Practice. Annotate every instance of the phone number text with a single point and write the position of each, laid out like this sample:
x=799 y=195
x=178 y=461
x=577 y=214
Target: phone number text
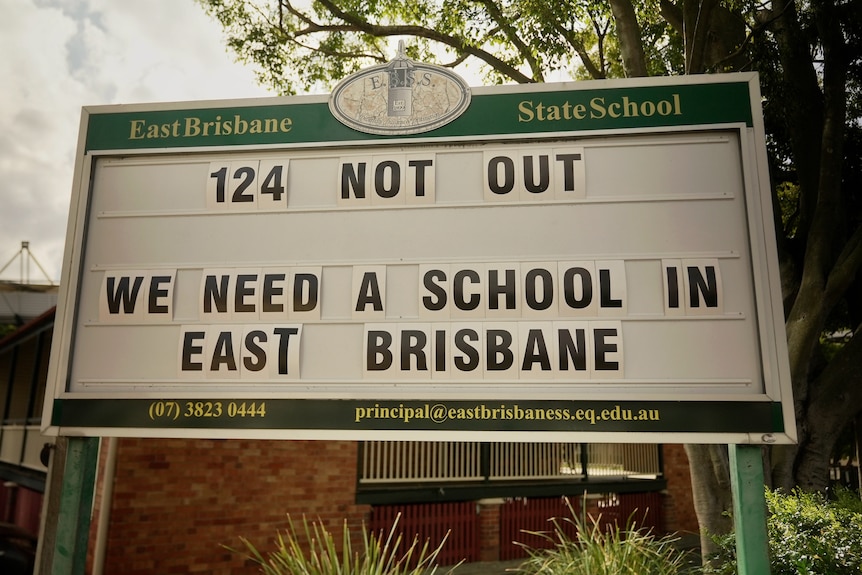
x=175 y=410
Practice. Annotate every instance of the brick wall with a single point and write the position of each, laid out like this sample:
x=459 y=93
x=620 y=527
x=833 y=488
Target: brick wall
x=679 y=505
x=176 y=502
x=489 y=530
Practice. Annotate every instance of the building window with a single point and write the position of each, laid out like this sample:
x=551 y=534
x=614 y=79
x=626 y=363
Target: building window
x=419 y=462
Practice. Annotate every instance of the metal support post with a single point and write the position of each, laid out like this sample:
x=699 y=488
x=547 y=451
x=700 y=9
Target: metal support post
x=749 y=509
x=75 y=508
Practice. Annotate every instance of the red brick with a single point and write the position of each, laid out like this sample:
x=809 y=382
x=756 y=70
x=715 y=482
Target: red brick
x=178 y=502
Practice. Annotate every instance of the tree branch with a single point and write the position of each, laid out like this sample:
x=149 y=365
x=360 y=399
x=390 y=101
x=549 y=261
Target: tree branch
x=697 y=16
x=513 y=37
x=845 y=269
x=629 y=34
x=573 y=41
x=672 y=14
x=812 y=307
x=804 y=104
x=358 y=25
x=835 y=399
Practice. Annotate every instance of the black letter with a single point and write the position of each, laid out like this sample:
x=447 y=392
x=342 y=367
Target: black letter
x=311 y=281
x=605 y=290
x=602 y=348
x=544 y=175
x=499 y=342
x=530 y=292
x=350 y=179
x=223 y=352
x=241 y=292
x=568 y=170
x=697 y=285
x=458 y=295
x=369 y=293
x=413 y=343
x=420 y=166
x=471 y=362
x=507 y=289
x=394 y=181
x=251 y=339
x=509 y=175
x=672 y=287
x=378 y=344
x=569 y=288
x=156 y=293
x=214 y=293
x=535 y=350
x=122 y=293
x=284 y=334
x=190 y=349
x=577 y=352
x=439 y=291
x=270 y=291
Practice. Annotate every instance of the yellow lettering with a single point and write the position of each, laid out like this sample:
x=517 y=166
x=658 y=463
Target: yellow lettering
x=135 y=132
x=193 y=127
x=526 y=112
x=598 y=108
x=240 y=126
x=579 y=111
x=664 y=108
x=286 y=125
x=648 y=108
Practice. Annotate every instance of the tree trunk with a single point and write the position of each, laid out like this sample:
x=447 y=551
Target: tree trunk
x=696 y=20
x=835 y=400
x=629 y=34
x=710 y=486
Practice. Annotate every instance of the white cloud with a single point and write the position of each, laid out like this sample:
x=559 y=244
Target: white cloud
x=60 y=55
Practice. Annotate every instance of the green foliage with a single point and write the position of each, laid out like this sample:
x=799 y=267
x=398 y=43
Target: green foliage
x=808 y=535
x=301 y=46
x=788 y=204
x=603 y=550
x=313 y=551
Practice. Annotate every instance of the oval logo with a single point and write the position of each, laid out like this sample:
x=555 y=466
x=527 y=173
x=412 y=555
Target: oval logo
x=399 y=98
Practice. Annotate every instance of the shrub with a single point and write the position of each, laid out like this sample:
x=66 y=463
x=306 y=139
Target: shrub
x=808 y=534
x=321 y=556
x=601 y=550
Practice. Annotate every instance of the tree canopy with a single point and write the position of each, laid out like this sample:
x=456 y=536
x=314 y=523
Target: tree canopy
x=809 y=57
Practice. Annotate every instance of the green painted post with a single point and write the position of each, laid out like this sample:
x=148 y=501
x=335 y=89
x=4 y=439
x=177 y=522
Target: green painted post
x=749 y=509
x=76 y=502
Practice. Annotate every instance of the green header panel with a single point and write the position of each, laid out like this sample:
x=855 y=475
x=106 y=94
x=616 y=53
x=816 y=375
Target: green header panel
x=509 y=113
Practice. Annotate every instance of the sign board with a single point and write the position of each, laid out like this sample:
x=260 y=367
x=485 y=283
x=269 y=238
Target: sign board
x=590 y=261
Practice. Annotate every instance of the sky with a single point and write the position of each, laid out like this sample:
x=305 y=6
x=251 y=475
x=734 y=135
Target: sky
x=61 y=55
